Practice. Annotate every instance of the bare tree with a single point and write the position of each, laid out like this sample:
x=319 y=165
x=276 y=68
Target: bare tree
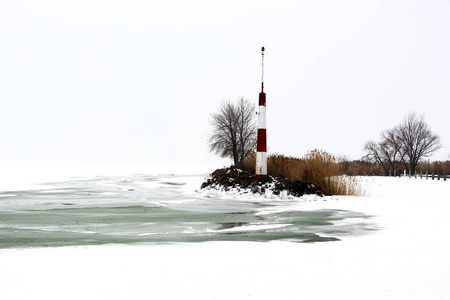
x=234 y=131
x=376 y=154
x=391 y=148
x=416 y=139
x=406 y=143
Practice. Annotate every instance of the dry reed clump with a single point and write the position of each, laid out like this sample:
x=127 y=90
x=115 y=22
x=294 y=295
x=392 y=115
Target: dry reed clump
x=317 y=167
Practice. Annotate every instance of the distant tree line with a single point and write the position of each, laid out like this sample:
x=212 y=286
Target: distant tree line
x=366 y=168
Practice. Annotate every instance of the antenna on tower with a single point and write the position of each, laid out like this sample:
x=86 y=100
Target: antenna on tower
x=262 y=69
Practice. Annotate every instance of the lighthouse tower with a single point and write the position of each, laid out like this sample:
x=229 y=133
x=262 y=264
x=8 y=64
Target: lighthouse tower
x=261 y=140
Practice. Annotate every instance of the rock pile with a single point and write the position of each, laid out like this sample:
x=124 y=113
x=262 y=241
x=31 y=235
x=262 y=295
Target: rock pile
x=233 y=177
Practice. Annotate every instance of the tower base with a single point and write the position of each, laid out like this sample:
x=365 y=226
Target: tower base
x=261 y=164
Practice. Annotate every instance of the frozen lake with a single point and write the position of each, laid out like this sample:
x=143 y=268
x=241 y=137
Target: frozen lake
x=160 y=209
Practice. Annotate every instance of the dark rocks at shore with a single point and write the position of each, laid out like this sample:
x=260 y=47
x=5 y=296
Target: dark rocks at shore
x=297 y=188
x=233 y=177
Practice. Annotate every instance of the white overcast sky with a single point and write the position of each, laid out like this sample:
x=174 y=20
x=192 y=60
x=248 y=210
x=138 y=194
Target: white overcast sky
x=135 y=80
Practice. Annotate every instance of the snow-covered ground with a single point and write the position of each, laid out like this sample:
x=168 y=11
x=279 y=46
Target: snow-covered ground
x=406 y=256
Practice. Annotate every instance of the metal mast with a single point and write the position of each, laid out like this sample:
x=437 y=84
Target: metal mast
x=261 y=140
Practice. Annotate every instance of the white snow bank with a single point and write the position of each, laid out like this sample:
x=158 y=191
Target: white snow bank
x=357 y=269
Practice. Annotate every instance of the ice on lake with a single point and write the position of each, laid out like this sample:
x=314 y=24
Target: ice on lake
x=162 y=209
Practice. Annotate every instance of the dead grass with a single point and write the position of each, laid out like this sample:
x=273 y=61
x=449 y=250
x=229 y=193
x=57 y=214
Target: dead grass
x=317 y=166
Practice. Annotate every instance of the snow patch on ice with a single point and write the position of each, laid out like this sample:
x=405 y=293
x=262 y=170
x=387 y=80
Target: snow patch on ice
x=252 y=227
x=7 y=195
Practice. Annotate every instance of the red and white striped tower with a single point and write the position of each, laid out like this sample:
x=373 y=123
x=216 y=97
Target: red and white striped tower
x=261 y=140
